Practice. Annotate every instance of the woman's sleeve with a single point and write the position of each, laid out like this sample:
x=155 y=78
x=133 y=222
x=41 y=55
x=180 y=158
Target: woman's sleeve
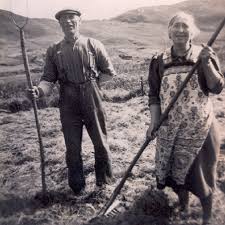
x=220 y=84
x=154 y=80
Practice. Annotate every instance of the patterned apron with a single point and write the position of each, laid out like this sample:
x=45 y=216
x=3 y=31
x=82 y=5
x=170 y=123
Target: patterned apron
x=180 y=138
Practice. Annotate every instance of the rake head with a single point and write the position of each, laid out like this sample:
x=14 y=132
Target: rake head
x=114 y=210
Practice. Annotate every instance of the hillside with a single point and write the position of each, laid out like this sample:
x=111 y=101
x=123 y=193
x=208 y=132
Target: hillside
x=34 y=29
x=206 y=12
x=138 y=33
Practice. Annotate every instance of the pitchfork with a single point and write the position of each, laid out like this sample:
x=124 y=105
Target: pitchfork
x=34 y=102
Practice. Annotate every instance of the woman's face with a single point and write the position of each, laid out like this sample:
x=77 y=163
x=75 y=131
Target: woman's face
x=180 y=32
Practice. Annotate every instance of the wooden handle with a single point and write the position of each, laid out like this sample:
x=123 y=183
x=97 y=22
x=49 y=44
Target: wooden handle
x=34 y=103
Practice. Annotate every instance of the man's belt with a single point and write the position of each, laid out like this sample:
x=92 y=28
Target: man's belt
x=77 y=85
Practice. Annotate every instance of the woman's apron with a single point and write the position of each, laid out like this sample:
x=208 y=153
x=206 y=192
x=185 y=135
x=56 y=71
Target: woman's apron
x=180 y=138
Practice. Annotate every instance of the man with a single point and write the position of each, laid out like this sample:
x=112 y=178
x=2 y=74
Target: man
x=76 y=63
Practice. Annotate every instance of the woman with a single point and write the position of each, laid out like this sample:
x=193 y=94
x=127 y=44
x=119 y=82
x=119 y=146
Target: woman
x=187 y=143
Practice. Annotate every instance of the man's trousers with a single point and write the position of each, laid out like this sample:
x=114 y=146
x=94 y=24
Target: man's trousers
x=81 y=104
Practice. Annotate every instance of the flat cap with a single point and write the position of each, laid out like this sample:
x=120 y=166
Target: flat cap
x=67 y=11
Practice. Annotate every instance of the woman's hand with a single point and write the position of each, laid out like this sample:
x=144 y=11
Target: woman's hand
x=149 y=130
x=205 y=54
x=214 y=78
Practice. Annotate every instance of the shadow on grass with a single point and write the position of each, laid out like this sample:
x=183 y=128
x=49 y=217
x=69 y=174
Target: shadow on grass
x=12 y=204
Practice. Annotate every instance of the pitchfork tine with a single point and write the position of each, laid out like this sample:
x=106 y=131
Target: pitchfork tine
x=16 y=24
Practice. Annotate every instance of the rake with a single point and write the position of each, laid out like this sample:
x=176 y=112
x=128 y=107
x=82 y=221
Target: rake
x=108 y=206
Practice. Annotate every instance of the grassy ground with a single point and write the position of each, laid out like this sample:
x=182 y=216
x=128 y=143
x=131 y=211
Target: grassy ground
x=128 y=119
x=127 y=122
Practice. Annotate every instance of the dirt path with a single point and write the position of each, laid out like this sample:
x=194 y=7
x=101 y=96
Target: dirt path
x=20 y=173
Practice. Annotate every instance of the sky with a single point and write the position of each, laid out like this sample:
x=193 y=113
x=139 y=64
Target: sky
x=91 y=9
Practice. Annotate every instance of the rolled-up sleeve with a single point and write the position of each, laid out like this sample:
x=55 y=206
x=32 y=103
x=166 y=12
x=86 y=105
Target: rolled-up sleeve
x=49 y=76
x=154 y=81
x=50 y=69
x=46 y=87
x=220 y=83
x=103 y=61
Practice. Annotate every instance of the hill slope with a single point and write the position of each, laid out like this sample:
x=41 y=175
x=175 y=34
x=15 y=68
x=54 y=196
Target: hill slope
x=137 y=33
x=35 y=27
x=206 y=12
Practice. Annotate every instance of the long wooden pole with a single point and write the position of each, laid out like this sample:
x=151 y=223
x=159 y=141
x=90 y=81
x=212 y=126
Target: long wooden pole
x=34 y=103
x=162 y=118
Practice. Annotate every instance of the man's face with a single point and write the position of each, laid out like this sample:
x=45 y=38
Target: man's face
x=180 y=32
x=70 y=24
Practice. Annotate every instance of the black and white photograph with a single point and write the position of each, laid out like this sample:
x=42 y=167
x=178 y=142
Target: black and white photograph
x=112 y=112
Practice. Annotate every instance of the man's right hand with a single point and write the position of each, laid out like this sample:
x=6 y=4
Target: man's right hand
x=33 y=93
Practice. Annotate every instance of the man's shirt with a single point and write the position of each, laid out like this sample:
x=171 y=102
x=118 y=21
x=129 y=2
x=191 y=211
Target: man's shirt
x=76 y=62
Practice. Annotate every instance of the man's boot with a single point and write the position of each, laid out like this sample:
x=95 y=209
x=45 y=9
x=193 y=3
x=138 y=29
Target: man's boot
x=76 y=181
x=103 y=174
x=183 y=196
x=207 y=209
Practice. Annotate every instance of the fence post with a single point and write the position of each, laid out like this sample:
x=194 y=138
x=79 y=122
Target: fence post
x=142 y=86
